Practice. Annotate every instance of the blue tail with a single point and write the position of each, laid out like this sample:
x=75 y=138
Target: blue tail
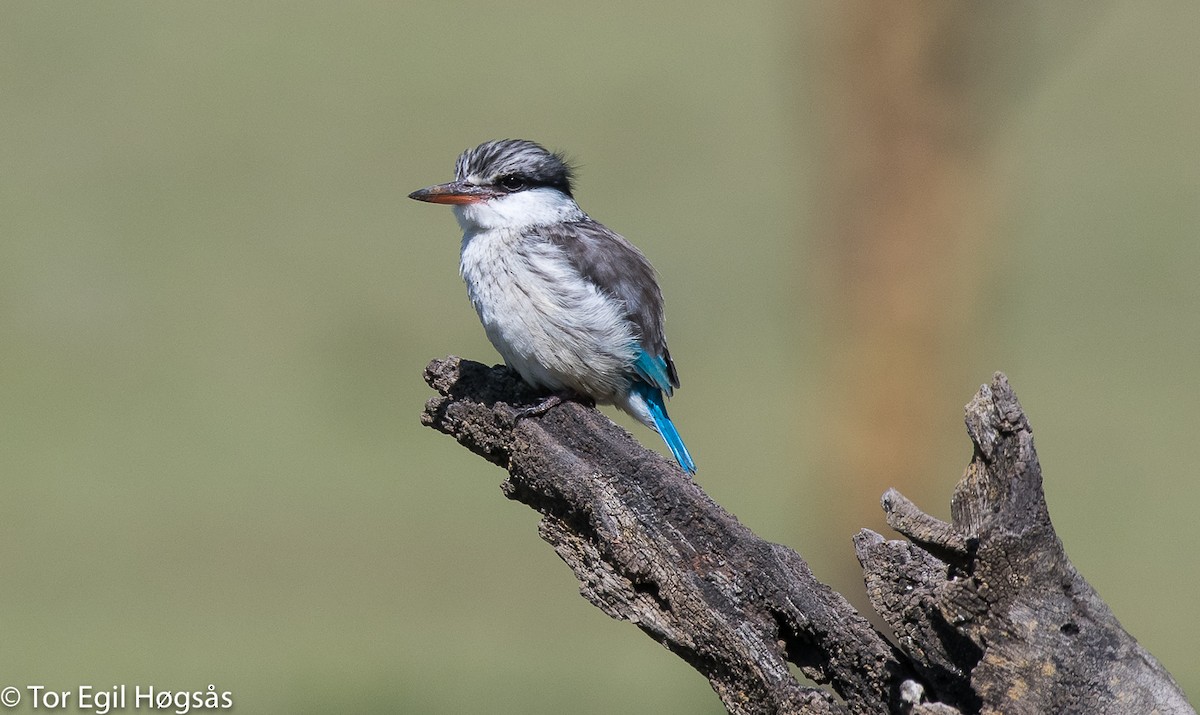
x=664 y=425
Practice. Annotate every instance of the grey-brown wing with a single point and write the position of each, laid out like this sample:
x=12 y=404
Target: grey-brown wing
x=618 y=268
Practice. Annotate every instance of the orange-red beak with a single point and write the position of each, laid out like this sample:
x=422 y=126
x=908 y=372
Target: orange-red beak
x=455 y=192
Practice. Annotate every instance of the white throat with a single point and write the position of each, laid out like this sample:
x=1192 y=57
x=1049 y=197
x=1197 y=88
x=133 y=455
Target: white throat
x=532 y=207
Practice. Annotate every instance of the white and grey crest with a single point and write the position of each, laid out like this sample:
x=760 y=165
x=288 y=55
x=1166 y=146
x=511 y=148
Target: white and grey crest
x=514 y=165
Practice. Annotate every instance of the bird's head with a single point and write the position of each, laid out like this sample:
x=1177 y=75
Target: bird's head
x=507 y=183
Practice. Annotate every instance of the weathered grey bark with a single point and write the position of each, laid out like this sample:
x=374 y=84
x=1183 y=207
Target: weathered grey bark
x=988 y=613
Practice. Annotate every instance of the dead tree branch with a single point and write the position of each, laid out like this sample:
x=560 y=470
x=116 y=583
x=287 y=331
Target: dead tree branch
x=987 y=612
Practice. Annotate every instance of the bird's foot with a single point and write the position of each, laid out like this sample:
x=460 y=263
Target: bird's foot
x=548 y=403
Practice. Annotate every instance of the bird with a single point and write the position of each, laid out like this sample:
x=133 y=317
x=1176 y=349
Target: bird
x=572 y=306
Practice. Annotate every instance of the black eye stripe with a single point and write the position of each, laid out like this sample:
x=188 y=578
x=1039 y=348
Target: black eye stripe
x=512 y=182
x=518 y=181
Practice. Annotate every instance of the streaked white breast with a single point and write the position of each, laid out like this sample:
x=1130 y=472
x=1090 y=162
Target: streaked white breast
x=550 y=325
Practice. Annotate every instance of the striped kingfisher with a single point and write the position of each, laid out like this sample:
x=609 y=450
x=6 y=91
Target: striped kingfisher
x=571 y=306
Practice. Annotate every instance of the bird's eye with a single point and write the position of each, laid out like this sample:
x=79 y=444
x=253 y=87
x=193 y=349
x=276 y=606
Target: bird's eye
x=511 y=182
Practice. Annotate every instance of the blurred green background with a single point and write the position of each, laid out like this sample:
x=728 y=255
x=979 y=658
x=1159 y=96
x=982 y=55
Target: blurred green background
x=216 y=303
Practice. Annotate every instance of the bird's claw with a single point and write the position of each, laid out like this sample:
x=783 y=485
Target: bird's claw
x=548 y=403
x=542 y=407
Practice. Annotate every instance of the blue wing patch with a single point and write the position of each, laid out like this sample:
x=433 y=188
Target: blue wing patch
x=653 y=370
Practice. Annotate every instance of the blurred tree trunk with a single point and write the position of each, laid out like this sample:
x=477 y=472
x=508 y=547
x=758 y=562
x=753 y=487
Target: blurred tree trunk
x=914 y=99
x=908 y=214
